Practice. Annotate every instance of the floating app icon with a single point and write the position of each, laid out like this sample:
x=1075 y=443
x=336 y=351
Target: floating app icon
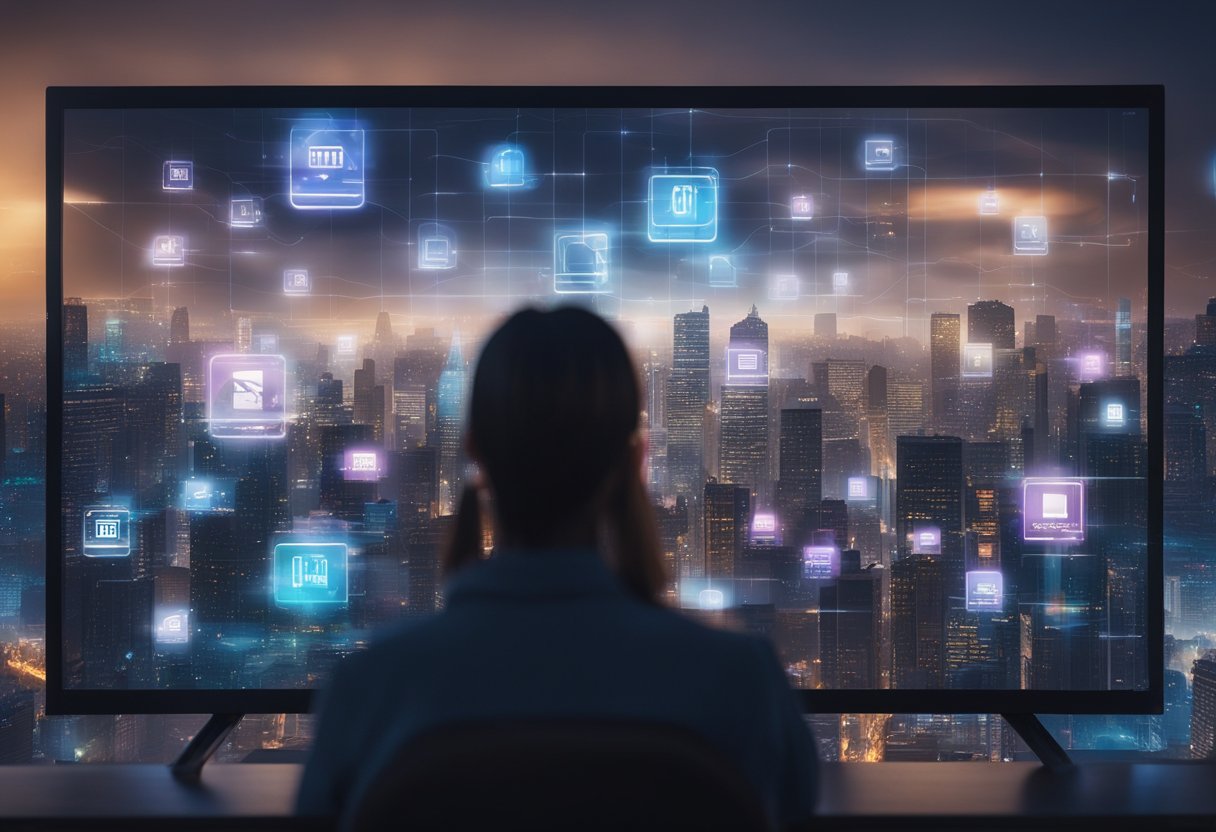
x=746 y=365
x=297 y=282
x=268 y=343
x=1091 y=366
x=977 y=361
x=245 y=211
x=361 y=464
x=580 y=263
x=507 y=167
x=178 y=176
x=711 y=599
x=246 y=396
x=1115 y=415
x=784 y=287
x=879 y=154
x=706 y=594
x=310 y=573
x=721 y=272
x=985 y=590
x=436 y=247
x=840 y=282
x=171 y=626
x=990 y=206
x=764 y=528
x=203 y=494
x=859 y=488
x=346 y=346
x=683 y=206
x=1053 y=510
x=169 y=250
x=802 y=207
x=107 y=532
x=326 y=168
x=820 y=562
x=926 y=540
x=1030 y=235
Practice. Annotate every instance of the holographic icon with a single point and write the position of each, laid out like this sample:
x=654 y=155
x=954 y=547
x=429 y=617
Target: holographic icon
x=784 y=287
x=746 y=365
x=1091 y=366
x=297 y=282
x=580 y=263
x=436 y=247
x=1053 y=510
x=245 y=212
x=683 y=206
x=977 y=361
x=178 y=176
x=926 y=540
x=361 y=465
x=1030 y=235
x=802 y=207
x=711 y=599
x=990 y=205
x=326 y=168
x=840 y=282
x=171 y=626
x=507 y=167
x=1115 y=416
x=169 y=250
x=985 y=590
x=346 y=346
x=705 y=594
x=107 y=532
x=764 y=528
x=820 y=562
x=246 y=396
x=859 y=488
x=202 y=495
x=721 y=272
x=310 y=573
x=268 y=343
x=879 y=154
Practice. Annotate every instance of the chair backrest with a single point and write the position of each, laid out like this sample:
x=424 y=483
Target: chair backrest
x=558 y=775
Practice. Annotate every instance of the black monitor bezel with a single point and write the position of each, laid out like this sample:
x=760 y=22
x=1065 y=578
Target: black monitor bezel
x=61 y=700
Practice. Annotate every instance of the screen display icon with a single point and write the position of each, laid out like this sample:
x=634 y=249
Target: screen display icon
x=245 y=211
x=107 y=532
x=926 y=540
x=1091 y=366
x=346 y=346
x=990 y=205
x=985 y=590
x=1115 y=416
x=507 y=167
x=802 y=207
x=171 y=626
x=684 y=206
x=721 y=272
x=1030 y=235
x=1053 y=510
x=178 y=176
x=201 y=494
x=820 y=562
x=840 y=282
x=436 y=247
x=764 y=528
x=977 y=361
x=246 y=396
x=169 y=250
x=361 y=464
x=784 y=287
x=326 y=168
x=580 y=263
x=859 y=488
x=310 y=573
x=746 y=365
x=880 y=154
x=297 y=282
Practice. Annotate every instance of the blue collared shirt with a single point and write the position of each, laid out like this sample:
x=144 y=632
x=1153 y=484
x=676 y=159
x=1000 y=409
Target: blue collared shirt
x=548 y=634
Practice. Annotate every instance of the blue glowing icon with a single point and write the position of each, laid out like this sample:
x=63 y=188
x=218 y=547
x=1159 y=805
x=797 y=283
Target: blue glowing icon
x=436 y=247
x=169 y=250
x=247 y=396
x=683 y=206
x=245 y=211
x=178 y=176
x=802 y=207
x=705 y=594
x=202 y=494
x=310 y=573
x=1030 y=235
x=1115 y=415
x=171 y=625
x=977 y=361
x=784 y=287
x=880 y=154
x=107 y=532
x=990 y=206
x=297 y=282
x=580 y=263
x=721 y=272
x=507 y=167
x=326 y=168
x=985 y=590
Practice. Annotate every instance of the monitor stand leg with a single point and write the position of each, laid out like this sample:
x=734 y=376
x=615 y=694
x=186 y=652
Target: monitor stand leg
x=1027 y=726
x=189 y=766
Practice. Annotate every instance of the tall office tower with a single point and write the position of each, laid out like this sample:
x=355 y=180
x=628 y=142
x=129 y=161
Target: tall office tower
x=945 y=335
x=369 y=400
x=1011 y=399
x=424 y=593
x=179 y=326
x=918 y=622
x=410 y=416
x=834 y=517
x=905 y=407
x=244 y=334
x=825 y=325
x=687 y=397
x=1123 y=338
x=384 y=348
x=75 y=341
x=1203 y=707
x=93 y=417
x=850 y=626
x=882 y=460
x=1066 y=648
x=330 y=407
x=800 y=471
x=342 y=497
x=743 y=457
x=3 y=436
x=449 y=421
x=152 y=441
x=17 y=708
x=987 y=472
x=654 y=377
x=416 y=471
x=1186 y=456
x=930 y=490
x=1205 y=326
x=1045 y=332
x=991 y=322
x=113 y=347
x=416 y=388
x=1196 y=599
x=674 y=539
x=842 y=383
x=728 y=511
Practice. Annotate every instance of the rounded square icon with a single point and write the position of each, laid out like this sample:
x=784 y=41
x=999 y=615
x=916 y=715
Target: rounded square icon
x=326 y=168
x=506 y=166
x=840 y=282
x=168 y=250
x=990 y=206
x=746 y=365
x=859 y=488
x=802 y=207
x=436 y=247
x=1053 y=510
x=683 y=206
x=171 y=625
x=879 y=154
x=310 y=573
x=820 y=562
x=345 y=346
x=245 y=211
x=1115 y=415
x=784 y=287
x=721 y=272
x=976 y=361
x=296 y=282
x=985 y=590
x=247 y=396
x=580 y=263
x=1030 y=235
x=178 y=176
x=106 y=532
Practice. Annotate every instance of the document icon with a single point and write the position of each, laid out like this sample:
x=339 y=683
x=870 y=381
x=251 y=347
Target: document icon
x=1055 y=505
x=246 y=396
x=247 y=390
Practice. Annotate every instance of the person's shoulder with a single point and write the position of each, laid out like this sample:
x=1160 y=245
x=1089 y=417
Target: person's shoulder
x=741 y=646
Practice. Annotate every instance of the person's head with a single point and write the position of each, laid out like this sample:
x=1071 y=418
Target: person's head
x=554 y=427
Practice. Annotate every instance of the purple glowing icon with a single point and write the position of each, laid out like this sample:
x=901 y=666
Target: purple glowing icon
x=926 y=540
x=985 y=591
x=246 y=396
x=859 y=488
x=361 y=464
x=1053 y=510
x=820 y=562
x=764 y=528
x=1091 y=366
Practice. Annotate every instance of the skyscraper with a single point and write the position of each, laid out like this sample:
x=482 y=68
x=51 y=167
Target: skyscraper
x=727 y=517
x=1205 y=326
x=944 y=344
x=448 y=426
x=743 y=444
x=179 y=326
x=1203 y=707
x=850 y=626
x=800 y=471
x=929 y=490
x=687 y=397
x=244 y=334
x=1123 y=338
x=75 y=341
x=369 y=400
x=991 y=322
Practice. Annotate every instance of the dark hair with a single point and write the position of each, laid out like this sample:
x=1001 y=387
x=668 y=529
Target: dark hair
x=554 y=410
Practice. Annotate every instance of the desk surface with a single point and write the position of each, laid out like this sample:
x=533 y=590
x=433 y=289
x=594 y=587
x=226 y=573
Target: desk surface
x=857 y=796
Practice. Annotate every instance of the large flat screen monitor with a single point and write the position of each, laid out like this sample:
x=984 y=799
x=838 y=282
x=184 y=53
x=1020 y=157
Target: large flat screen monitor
x=900 y=349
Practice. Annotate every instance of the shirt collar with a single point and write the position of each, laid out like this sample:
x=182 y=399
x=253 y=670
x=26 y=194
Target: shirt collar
x=534 y=574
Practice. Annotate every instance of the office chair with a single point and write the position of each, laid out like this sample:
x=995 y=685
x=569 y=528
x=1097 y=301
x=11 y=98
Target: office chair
x=554 y=775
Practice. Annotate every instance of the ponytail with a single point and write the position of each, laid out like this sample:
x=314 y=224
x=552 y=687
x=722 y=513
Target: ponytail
x=464 y=542
x=631 y=539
